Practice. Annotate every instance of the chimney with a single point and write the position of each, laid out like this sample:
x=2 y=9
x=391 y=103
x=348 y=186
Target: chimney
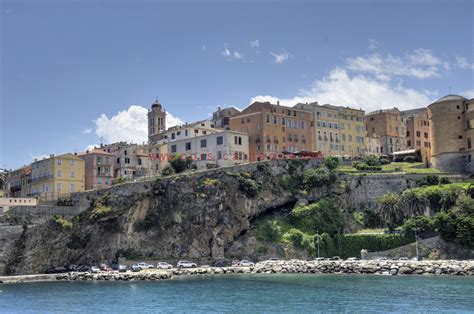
x=278 y=102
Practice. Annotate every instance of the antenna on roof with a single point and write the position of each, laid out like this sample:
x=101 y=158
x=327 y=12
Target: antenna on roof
x=101 y=140
x=449 y=90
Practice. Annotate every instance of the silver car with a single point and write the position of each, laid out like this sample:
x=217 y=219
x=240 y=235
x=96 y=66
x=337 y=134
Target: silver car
x=186 y=264
x=164 y=265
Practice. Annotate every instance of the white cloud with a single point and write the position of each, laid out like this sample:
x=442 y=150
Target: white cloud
x=38 y=157
x=463 y=63
x=92 y=146
x=229 y=54
x=86 y=131
x=254 y=43
x=421 y=63
x=279 y=58
x=373 y=44
x=129 y=125
x=468 y=94
x=358 y=91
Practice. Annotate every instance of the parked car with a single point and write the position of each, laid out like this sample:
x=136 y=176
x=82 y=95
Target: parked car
x=136 y=268
x=235 y=262
x=352 y=259
x=403 y=259
x=83 y=268
x=103 y=266
x=122 y=268
x=95 y=269
x=164 y=265
x=186 y=264
x=246 y=263
x=144 y=265
x=56 y=270
x=72 y=267
x=273 y=259
x=222 y=263
x=335 y=258
x=319 y=259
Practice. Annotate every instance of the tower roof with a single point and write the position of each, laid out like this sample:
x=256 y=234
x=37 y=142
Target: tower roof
x=450 y=98
x=156 y=104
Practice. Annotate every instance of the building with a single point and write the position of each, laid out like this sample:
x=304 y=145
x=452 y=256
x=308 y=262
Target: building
x=418 y=131
x=17 y=182
x=156 y=121
x=130 y=161
x=274 y=129
x=57 y=176
x=221 y=116
x=373 y=146
x=390 y=126
x=186 y=131
x=220 y=149
x=99 y=169
x=451 y=126
x=338 y=131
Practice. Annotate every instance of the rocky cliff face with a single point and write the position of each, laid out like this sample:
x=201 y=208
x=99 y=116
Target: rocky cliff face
x=193 y=216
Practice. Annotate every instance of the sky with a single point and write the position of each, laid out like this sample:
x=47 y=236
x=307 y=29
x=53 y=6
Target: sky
x=77 y=73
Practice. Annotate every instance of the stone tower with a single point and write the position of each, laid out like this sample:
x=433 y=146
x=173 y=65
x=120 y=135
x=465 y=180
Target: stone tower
x=156 y=121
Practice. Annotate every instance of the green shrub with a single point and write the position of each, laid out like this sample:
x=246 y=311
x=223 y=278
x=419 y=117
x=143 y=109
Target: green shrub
x=269 y=231
x=99 y=211
x=180 y=163
x=210 y=182
x=365 y=167
x=465 y=230
x=167 y=170
x=63 y=223
x=444 y=180
x=118 y=180
x=445 y=224
x=430 y=179
x=410 y=159
x=384 y=161
x=371 y=219
x=421 y=223
x=291 y=183
x=331 y=162
x=294 y=237
x=324 y=216
x=319 y=177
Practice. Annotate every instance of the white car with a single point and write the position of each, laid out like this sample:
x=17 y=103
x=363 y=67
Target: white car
x=142 y=265
x=352 y=259
x=95 y=269
x=246 y=263
x=186 y=264
x=164 y=265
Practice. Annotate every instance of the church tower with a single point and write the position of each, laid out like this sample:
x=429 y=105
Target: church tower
x=156 y=121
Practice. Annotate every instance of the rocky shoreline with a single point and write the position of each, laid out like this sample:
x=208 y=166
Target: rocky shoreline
x=375 y=267
x=458 y=268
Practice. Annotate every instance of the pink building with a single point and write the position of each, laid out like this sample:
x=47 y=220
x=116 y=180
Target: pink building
x=99 y=169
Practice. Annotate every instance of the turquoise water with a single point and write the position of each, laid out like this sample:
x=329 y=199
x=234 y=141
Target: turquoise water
x=247 y=293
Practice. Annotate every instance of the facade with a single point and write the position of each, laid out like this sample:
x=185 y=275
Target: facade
x=338 y=131
x=274 y=129
x=186 y=131
x=373 y=146
x=221 y=116
x=222 y=149
x=130 y=161
x=418 y=131
x=390 y=126
x=17 y=182
x=452 y=131
x=99 y=169
x=57 y=176
x=156 y=121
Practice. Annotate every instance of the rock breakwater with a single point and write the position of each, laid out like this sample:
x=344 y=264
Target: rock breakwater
x=384 y=267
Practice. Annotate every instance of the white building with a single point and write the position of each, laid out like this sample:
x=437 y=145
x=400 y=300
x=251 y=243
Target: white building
x=221 y=149
x=186 y=131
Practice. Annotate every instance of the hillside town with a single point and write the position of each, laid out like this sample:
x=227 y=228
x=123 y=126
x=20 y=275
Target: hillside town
x=440 y=135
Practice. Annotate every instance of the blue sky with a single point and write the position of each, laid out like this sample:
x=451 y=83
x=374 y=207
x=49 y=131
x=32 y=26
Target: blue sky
x=75 y=71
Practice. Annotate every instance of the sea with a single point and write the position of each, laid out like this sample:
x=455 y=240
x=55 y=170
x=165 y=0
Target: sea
x=255 y=293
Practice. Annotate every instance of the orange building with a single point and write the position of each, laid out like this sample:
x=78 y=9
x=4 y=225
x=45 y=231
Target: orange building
x=274 y=129
x=418 y=131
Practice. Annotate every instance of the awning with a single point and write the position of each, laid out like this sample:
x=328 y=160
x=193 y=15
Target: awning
x=405 y=152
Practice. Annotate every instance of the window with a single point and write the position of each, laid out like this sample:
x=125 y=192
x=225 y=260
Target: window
x=173 y=136
x=59 y=162
x=203 y=157
x=72 y=187
x=426 y=134
x=203 y=143
x=186 y=132
x=118 y=160
x=188 y=146
x=460 y=137
x=125 y=152
x=469 y=144
x=127 y=160
x=219 y=140
x=238 y=140
x=72 y=162
x=178 y=133
x=173 y=148
x=418 y=133
x=139 y=161
x=58 y=173
x=73 y=174
x=58 y=187
x=99 y=180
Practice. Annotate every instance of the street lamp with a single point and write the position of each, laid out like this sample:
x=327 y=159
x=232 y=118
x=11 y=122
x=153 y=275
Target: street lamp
x=317 y=235
x=416 y=243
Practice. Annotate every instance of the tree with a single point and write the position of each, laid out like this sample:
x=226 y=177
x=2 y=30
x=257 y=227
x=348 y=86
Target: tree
x=180 y=163
x=413 y=203
x=389 y=209
x=449 y=197
x=3 y=176
x=331 y=163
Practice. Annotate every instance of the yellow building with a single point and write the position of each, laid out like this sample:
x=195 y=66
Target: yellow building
x=352 y=132
x=57 y=176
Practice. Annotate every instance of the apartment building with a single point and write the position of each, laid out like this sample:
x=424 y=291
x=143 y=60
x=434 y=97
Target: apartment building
x=99 y=169
x=373 y=146
x=221 y=116
x=418 y=131
x=17 y=182
x=57 y=176
x=390 y=126
x=186 y=131
x=130 y=161
x=274 y=129
x=221 y=149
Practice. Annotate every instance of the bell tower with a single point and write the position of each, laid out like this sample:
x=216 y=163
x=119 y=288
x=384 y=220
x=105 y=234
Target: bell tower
x=156 y=121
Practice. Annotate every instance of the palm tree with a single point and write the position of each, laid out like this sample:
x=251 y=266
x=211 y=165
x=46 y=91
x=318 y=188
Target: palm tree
x=449 y=197
x=413 y=203
x=389 y=209
x=3 y=175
